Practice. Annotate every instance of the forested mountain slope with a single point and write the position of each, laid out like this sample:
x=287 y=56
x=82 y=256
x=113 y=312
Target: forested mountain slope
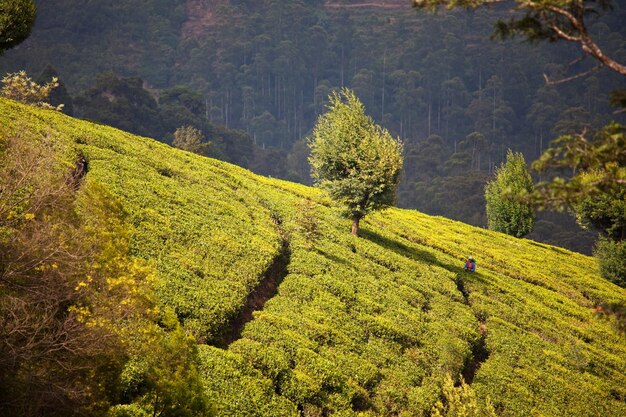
x=456 y=97
x=349 y=326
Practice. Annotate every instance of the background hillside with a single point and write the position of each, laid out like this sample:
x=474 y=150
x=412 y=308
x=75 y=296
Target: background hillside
x=254 y=76
x=343 y=325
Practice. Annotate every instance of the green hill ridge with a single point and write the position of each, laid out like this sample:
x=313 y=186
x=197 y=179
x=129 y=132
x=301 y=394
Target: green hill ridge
x=349 y=326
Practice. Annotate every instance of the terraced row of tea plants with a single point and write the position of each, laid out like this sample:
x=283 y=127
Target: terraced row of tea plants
x=359 y=326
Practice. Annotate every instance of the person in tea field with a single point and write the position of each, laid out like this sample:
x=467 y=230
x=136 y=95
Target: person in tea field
x=470 y=265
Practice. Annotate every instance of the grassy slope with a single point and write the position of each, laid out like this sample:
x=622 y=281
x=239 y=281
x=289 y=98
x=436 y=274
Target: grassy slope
x=363 y=326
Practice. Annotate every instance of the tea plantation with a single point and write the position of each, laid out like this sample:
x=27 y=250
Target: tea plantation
x=368 y=326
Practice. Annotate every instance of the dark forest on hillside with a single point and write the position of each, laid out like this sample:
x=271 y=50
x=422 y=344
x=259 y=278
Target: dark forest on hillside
x=255 y=75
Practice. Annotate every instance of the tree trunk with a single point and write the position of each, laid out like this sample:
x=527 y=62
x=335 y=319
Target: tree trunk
x=355 y=225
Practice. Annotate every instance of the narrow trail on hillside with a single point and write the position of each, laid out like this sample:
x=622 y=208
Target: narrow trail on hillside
x=75 y=178
x=479 y=347
x=267 y=289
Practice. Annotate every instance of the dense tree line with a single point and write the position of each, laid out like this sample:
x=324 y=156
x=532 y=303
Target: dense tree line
x=263 y=71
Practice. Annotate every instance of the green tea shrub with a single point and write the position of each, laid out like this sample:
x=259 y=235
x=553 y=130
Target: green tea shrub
x=272 y=362
x=460 y=401
x=237 y=389
x=366 y=326
x=307 y=222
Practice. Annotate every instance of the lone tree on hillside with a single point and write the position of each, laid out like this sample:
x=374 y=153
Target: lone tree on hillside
x=17 y=18
x=505 y=213
x=352 y=158
x=190 y=139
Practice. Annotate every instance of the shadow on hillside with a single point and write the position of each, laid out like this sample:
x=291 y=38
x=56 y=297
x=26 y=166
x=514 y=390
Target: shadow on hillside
x=479 y=351
x=408 y=252
x=331 y=257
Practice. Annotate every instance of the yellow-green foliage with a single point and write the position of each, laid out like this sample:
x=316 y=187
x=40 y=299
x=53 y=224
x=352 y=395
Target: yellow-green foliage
x=87 y=307
x=360 y=326
x=460 y=401
x=20 y=87
x=201 y=226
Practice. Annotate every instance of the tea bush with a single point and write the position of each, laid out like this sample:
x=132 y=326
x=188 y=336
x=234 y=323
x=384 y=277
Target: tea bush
x=359 y=326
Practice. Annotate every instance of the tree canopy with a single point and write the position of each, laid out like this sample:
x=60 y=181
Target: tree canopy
x=598 y=167
x=544 y=19
x=595 y=190
x=504 y=213
x=17 y=18
x=81 y=333
x=355 y=160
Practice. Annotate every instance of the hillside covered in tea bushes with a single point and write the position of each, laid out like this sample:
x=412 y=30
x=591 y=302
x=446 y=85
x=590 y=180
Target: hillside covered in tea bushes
x=294 y=316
